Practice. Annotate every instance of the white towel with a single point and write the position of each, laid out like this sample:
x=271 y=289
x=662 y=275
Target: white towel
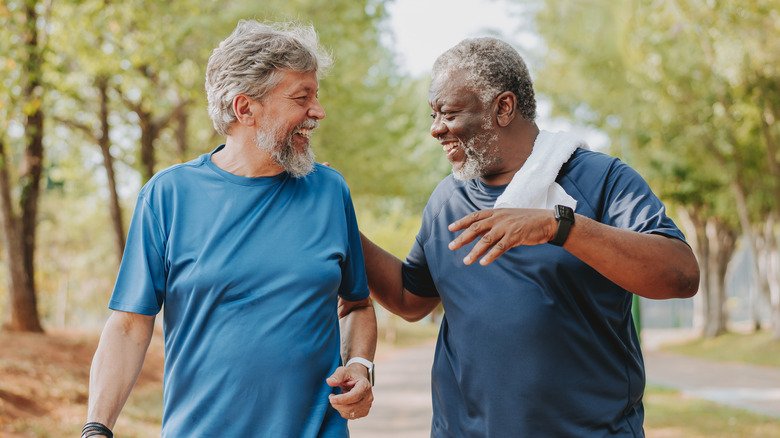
x=534 y=186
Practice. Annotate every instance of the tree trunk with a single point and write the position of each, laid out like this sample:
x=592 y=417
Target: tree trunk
x=696 y=231
x=181 y=117
x=720 y=253
x=24 y=312
x=148 y=135
x=20 y=231
x=770 y=269
x=761 y=281
x=104 y=142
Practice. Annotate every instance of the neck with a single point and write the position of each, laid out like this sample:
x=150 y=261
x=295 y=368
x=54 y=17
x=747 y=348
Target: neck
x=243 y=158
x=514 y=153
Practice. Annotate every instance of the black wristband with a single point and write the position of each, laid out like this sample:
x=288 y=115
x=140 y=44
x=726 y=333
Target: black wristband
x=94 y=429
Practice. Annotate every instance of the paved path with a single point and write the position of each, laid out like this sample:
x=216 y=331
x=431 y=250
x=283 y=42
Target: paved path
x=402 y=406
x=402 y=397
x=750 y=387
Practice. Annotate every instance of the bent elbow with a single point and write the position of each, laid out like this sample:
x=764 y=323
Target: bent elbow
x=688 y=281
x=413 y=317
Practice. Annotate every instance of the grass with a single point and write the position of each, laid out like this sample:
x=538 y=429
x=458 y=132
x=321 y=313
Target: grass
x=669 y=413
x=755 y=348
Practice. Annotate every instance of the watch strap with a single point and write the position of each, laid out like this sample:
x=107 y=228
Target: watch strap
x=366 y=363
x=565 y=217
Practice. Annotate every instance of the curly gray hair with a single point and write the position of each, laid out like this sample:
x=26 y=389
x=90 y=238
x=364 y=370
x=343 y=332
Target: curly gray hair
x=249 y=62
x=492 y=66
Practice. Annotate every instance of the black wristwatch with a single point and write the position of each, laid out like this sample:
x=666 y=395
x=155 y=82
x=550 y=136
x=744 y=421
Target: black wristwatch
x=565 y=217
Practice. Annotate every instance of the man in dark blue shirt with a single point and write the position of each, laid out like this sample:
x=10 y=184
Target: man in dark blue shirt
x=537 y=337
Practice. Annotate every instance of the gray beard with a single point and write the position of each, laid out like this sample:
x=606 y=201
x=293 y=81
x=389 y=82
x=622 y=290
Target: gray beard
x=297 y=164
x=478 y=158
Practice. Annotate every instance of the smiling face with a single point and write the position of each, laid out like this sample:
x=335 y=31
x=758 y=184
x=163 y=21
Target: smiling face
x=287 y=117
x=464 y=126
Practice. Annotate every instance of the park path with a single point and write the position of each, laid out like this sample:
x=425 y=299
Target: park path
x=402 y=406
x=402 y=396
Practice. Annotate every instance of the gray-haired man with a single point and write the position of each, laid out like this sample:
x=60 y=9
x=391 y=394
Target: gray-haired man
x=537 y=338
x=249 y=248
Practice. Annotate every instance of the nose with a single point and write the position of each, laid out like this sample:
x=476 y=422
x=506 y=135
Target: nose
x=316 y=111
x=437 y=127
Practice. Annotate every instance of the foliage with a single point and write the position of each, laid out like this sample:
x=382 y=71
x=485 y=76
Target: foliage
x=152 y=56
x=686 y=91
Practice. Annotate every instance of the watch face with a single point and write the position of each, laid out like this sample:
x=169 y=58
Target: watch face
x=564 y=212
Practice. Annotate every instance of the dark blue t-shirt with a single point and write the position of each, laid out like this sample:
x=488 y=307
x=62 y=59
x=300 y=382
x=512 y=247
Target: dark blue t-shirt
x=536 y=343
x=249 y=271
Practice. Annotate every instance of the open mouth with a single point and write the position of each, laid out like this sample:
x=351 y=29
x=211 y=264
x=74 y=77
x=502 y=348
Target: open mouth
x=451 y=148
x=304 y=132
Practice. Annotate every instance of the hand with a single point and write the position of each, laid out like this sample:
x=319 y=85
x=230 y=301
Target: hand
x=356 y=394
x=345 y=307
x=501 y=230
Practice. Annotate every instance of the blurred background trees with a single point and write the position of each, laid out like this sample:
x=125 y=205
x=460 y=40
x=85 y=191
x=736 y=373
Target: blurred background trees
x=98 y=95
x=687 y=91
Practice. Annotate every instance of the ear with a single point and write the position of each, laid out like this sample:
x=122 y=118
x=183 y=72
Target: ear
x=242 y=108
x=506 y=110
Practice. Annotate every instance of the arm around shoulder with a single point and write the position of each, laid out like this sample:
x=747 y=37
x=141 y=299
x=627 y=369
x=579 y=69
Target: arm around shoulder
x=386 y=283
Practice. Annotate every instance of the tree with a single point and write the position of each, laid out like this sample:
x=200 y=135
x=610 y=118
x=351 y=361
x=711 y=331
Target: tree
x=676 y=81
x=24 y=89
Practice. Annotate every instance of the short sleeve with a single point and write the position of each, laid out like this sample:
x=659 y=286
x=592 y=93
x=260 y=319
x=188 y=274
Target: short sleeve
x=630 y=203
x=415 y=271
x=140 y=284
x=354 y=286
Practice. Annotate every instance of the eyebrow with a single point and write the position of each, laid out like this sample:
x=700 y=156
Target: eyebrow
x=305 y=88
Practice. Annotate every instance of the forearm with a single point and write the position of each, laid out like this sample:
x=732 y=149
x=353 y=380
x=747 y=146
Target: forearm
x=358 y=329
x=116 y=365
x=386 y=284
x=649 y=265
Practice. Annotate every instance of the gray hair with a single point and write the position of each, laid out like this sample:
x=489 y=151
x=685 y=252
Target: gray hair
x=249 y=62
x=491 y=66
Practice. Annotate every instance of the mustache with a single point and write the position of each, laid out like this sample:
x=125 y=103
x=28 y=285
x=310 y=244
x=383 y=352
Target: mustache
x=308 y=124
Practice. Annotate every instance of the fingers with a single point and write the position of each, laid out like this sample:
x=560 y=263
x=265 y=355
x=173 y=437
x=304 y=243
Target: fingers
x=469 y=219
x=475 y=229
x=356 y=402
x=495 y=251
x=345 y=307
x=340 y=377
x=493 y=243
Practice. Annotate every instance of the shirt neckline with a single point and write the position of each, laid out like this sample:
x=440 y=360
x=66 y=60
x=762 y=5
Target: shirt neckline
x=241 y=180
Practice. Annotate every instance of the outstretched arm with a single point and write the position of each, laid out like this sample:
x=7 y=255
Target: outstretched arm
x=117 y=363
x=649 y=265
x=386 y=284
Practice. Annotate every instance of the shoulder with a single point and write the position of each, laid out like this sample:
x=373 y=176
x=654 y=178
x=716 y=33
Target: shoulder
x=589 y=169
x=325 y=178
x=326 y=173
x=443 y=193
x=584 y=160
x=169 y=179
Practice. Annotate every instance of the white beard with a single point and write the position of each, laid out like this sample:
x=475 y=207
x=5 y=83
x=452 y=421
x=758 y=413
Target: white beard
x=297 y=164
x=478 y=158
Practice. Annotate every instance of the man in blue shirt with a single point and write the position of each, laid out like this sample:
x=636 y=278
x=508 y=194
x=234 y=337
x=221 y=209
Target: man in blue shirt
x=537 y=337
x=248 y=248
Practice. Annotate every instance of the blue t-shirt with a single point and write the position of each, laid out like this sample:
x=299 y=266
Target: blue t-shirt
x=536 y=343
x=249 y=271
